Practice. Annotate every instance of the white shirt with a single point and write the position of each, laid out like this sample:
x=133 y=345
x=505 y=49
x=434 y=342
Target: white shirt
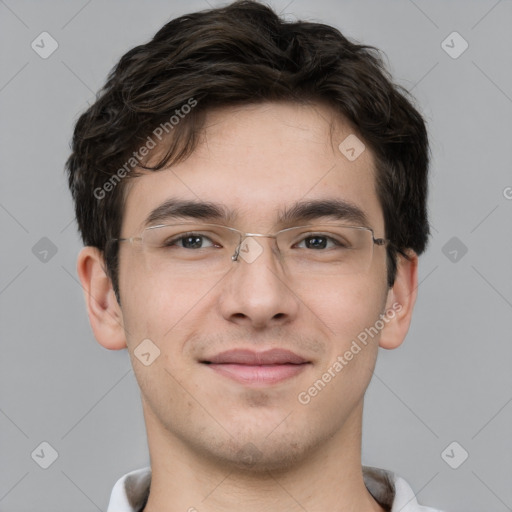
x=130 y=492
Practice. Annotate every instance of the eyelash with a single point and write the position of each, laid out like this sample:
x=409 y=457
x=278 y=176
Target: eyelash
x=174 y=241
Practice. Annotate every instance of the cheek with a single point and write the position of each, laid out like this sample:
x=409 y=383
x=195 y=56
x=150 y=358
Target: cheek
x=343 y=309
x=158 y=308
x=348 y=312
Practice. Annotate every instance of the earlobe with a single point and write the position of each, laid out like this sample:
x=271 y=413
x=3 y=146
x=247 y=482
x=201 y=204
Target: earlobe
x=400 y=302
x=104 y=311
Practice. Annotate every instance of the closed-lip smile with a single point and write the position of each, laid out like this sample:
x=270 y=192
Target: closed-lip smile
x=258 y=368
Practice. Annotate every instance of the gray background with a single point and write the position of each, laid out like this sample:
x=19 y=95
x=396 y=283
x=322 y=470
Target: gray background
x=450 y=381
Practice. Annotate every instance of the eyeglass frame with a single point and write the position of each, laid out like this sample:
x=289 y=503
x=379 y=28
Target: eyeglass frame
x=243 y=235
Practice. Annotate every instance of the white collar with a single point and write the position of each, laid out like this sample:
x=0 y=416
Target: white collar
x=131 y=491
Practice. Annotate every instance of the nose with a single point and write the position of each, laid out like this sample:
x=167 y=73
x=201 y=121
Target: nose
x=257 y=293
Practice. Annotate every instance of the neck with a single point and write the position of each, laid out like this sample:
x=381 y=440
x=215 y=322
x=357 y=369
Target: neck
x=329 y=478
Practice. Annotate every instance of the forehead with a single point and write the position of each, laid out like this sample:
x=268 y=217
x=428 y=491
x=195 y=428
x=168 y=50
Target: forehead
x=257 y=162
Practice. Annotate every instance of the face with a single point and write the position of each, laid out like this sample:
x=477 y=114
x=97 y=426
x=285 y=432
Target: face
x=257 y=162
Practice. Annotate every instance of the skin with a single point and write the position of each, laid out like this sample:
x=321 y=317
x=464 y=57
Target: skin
x=215 y=443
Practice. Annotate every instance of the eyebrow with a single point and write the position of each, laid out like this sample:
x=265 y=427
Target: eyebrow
x=336 y=209
x=181 y=209
x=301 y=211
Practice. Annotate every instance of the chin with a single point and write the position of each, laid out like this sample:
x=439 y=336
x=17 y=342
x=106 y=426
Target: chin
x=265 y=455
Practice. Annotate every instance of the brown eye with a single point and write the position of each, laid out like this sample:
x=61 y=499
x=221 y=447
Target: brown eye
x=318 y=242
x=190 y=241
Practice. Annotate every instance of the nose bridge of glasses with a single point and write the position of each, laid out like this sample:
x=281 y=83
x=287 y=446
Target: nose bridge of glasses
x=250 y=247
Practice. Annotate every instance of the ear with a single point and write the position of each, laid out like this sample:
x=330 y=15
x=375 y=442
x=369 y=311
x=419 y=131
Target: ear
x=103 y=309
x=400 y=302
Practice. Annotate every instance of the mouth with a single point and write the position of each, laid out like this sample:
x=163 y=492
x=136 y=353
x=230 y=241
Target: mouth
x=258 y=368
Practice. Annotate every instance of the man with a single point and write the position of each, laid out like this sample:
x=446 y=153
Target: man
x=252 y=198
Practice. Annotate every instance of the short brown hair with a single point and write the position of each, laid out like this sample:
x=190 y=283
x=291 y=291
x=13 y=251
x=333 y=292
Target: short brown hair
x=238 y=54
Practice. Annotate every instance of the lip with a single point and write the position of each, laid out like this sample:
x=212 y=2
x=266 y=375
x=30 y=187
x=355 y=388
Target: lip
x=257 y=368
x=250 y=357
